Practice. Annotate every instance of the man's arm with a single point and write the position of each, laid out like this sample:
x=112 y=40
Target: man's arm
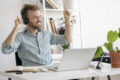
x=12 y=42
x=10 y=39
x=67 y=33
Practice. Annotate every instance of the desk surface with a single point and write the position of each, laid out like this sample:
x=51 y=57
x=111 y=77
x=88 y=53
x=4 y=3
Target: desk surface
x=64 y=75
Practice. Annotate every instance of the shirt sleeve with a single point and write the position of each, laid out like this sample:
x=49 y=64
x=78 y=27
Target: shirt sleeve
x=11 y=48
x=57 y=39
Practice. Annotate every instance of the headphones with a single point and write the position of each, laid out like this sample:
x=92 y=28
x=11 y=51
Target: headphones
x=25 y=20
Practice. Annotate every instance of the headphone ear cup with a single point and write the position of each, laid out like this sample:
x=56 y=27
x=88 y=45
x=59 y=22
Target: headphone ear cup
x=26 y=21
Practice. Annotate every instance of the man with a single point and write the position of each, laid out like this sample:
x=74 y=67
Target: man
x=33 y=45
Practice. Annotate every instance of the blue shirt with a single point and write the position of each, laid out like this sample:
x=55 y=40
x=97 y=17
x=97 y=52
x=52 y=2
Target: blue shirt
x=34 y=50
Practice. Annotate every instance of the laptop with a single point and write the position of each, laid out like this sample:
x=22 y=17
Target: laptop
x=75 y=59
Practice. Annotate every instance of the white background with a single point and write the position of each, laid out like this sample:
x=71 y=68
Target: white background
x=97 y=18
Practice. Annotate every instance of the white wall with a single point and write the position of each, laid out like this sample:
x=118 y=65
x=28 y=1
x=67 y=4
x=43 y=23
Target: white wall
x=97 y=17
x=8 y=11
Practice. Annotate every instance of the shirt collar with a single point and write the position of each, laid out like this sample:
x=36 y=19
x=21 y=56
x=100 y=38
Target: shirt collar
x=30 y=34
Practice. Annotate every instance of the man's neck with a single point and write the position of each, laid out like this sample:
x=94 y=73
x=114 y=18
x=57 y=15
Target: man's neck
x=33 y=31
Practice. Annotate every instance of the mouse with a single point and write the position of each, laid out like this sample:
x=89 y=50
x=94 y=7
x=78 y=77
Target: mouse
x=43 y=69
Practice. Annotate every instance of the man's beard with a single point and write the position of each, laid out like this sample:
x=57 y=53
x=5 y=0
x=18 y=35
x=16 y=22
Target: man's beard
x=33 y=26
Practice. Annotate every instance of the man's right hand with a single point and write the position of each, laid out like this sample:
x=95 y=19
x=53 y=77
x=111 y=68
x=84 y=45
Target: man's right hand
x=10 y=39
x=18 y=23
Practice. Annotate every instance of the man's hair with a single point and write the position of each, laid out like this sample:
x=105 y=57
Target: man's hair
x=25 y=9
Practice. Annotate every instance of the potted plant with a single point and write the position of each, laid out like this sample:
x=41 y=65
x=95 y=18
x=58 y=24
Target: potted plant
x=114 y=51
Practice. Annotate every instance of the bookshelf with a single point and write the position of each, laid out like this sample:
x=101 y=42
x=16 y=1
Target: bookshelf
x=57 y=13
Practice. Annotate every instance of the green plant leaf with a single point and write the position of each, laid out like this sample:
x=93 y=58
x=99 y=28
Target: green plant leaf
x=112 y=36
x=109 y=46
x=67 y=46
x=119 y=33
x=98 y=53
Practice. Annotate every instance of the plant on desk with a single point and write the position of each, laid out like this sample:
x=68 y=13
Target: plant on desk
x=67 y=46
x=114 y=53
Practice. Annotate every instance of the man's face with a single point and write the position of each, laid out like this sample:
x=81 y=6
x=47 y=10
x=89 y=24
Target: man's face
x=34 y=19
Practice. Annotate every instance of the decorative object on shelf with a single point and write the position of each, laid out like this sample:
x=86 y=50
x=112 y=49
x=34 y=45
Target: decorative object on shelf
x=62 y=30
x=72 y=20
x=114 y=53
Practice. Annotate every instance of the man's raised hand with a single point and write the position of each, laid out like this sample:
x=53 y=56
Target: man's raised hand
x=66 y=13
x=18 y=22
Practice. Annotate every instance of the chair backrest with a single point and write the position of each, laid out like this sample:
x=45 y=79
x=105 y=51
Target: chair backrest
x=18 y=60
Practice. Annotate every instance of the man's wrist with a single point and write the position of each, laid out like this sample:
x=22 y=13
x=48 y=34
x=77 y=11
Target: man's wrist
x=16 y=29
x=67 y=20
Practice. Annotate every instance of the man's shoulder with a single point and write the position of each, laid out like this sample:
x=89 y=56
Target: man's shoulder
x=45 y=31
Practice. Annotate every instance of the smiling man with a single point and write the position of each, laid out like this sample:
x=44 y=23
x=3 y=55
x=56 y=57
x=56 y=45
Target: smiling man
x=33 y=44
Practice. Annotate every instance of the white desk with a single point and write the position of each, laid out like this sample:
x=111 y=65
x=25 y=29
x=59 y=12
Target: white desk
x=64 y=75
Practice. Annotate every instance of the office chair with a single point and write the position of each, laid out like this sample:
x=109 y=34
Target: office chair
x=18 y=61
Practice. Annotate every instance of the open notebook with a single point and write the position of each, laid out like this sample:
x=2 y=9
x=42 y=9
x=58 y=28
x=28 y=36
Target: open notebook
x=22 y=69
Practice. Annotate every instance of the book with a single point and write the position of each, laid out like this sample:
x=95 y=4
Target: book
x=48 y=24
x=52 y=25
x=52 y=4
x=56 y=4
x=47 y=5
x=22 y=69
